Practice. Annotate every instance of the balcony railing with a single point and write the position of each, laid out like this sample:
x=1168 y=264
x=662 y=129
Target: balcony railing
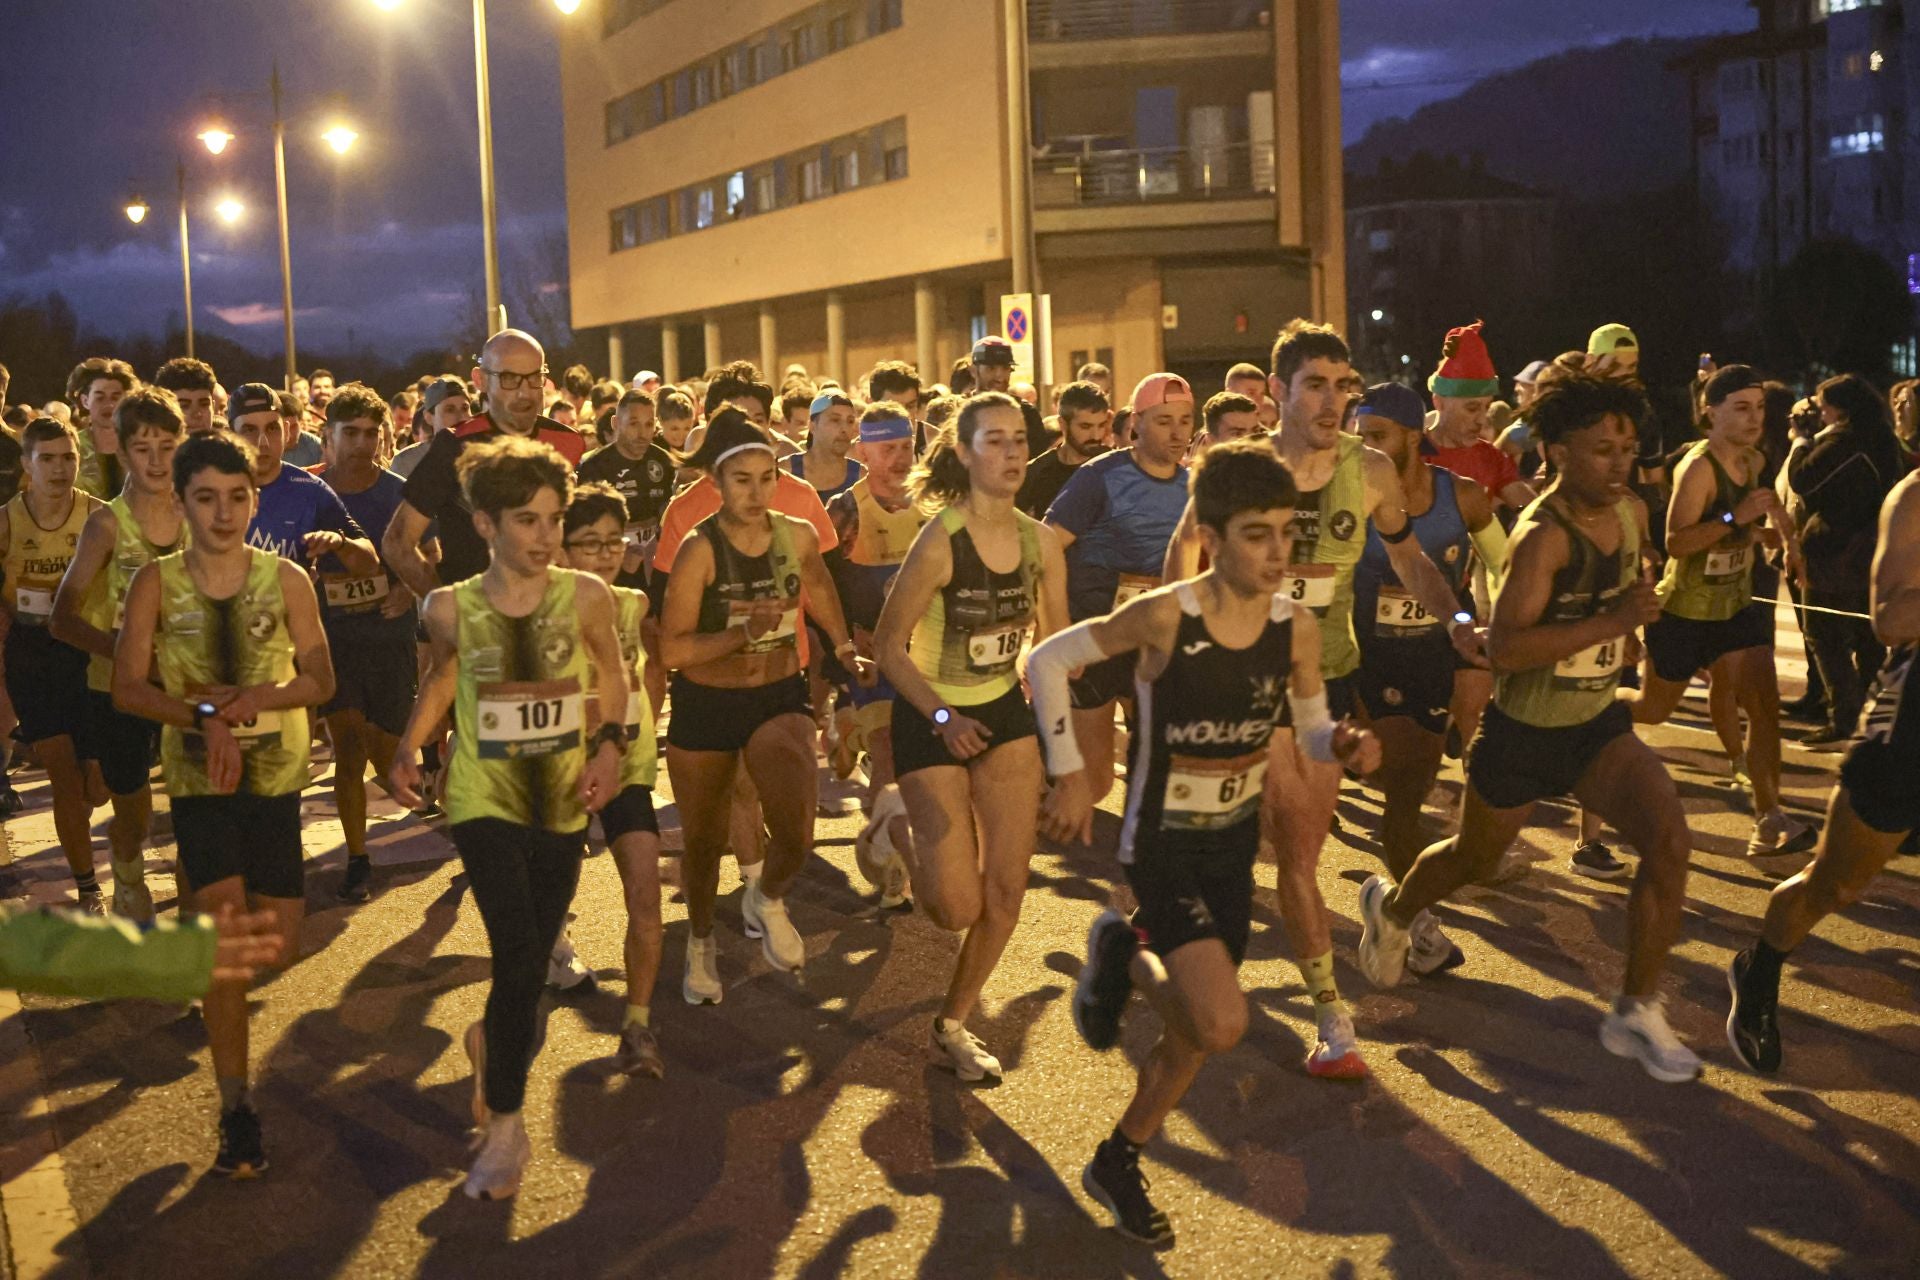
x=1116 y=19
x=1078 y=173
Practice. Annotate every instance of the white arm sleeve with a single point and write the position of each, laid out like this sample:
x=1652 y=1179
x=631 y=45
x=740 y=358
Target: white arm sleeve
x=1047 y=668
x=1312 y=727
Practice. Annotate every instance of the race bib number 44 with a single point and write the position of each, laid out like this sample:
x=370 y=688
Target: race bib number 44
x=527 y=719
x=1309 y=584
x=1206 y=795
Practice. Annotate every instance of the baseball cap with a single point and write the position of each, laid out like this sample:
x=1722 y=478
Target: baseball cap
x=1160 y=388
x=1531 y=374
x=1609 y=338
x=439 y=389
x=1731 y=380
x=642 y=378
x=826 y=400
x=1396 y=402
x=251 y=397
x=992 y=349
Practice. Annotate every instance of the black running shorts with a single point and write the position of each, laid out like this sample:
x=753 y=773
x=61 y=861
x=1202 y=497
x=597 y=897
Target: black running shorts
x=1406 y=678
x=47 y=682
x=1882 y=771
x=630 y=811
x=256 y=838
x=123 y=744
x=916 y=745
x=375 y=673
x=1511 y=763
x=1680 y=647
x=1104 y=681
x=710 y=718
x=1192 y=896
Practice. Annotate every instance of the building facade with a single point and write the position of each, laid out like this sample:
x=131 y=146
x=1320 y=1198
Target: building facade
x=836 y=182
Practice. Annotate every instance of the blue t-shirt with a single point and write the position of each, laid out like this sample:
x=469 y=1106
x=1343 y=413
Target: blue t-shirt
x=372 y=509
x=1121 y=520
x=305 y=451
x=798 y=465
x=293 y=506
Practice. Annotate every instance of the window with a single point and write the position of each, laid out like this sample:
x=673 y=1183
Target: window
x=766 y=191
x=812 y=179
x=737 y=206
x=682 y=93
x=1381 y=240
x=896 y=163
x=846 y=172
x=882 y=16
x=1868 y=134
x=702 y=85
x=839 y=32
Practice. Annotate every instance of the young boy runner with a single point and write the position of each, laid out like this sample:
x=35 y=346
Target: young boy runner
x=141 y=524
x=233 y=635
x=596 y=539
x=1208 y=685
x=511 y=651
x=45 y=679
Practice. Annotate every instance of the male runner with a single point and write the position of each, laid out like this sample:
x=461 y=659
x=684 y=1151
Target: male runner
x=192 y=383
x=95 y=387
x=369 y=619
x=444 y=405
x=139 y=525
x=1114 y=518
x=1208 y=657
x=1573 y=593
x=1228 y=416
x=296 y=515
x=642 y=472
x=1086 y=428
x=1341 y=485
x=833 y=425
x=222 y=644
x=1463 y=388
x=1874 y=807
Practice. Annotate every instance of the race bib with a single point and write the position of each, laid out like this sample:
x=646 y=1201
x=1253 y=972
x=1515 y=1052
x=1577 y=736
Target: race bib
x=1398 y=614
x=1131 y=585
x=32 y=605
x=249 y=735
x=1206 y=795
x=1730 y=563
x=347 y=594
x=645 y=539
x=527 y=719
x=993 y=650
x=1309 y=584
x=782 y=634
x=1594 y=663
x=633 y=711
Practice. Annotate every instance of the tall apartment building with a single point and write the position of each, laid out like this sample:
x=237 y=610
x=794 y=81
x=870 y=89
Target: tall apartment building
x=837 y=182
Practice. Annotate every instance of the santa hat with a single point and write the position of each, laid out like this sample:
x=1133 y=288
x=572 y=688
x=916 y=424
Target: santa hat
x=1466 y=370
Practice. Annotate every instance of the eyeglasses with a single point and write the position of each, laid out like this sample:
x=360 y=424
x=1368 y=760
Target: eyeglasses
x=597 y=546
x=511 y=381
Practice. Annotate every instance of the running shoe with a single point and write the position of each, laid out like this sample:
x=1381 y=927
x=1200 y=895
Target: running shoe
x=475 y=1043
x=639 y=1053
x=1596 y=861
x=1114 y=1180
x=1336 y=1055
x=1739 y=780
x=1638 y=1029
x=11 y=801
x=502 y=1160
x=1100 y=996
x=897 y=892
x=1383 y=944
x=702 y=983
x=357 y=884
x=241 y=1153
x=1431 y=951
x=565 y=970
x=1775 y=834
x=132 y=899
x=964 y=1051
x=1827 y=738
x=91 y=903
x=873 y=849
x=766 y=919
x=1753 y=1023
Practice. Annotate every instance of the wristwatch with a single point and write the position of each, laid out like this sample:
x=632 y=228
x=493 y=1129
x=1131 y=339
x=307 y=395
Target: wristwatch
x=612 y=731
x=941 y=717
x=203 y=712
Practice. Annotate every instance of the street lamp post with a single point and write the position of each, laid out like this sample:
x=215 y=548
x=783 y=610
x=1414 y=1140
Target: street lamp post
x=280 y=198
x=186 y=258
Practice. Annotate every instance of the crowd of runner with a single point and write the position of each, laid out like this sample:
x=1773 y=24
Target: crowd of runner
x=487 y=590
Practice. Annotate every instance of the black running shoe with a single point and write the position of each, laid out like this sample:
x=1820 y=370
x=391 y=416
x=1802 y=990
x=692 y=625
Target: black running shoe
x=241 y=1155
x=11 y=801
x=357 y=884
x=1100 y=998
x=1114 y=1179
x=1753 y=1023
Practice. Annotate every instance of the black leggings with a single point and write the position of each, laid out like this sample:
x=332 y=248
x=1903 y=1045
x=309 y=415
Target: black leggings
x=523 y=881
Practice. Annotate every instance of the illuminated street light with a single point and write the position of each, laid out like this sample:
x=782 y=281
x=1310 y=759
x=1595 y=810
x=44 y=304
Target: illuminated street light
x=340 y=138
x=568 y=6
x=216 y=138
x=136 y=210
x=1378 y=315
x=230 y=210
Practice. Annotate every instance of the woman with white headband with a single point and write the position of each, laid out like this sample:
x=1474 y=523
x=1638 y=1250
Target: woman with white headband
x=730 y=631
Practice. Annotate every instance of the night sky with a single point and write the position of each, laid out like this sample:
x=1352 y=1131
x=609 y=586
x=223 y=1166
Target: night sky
x=101 y=95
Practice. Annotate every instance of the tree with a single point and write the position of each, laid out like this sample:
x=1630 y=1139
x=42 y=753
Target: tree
x=1836 y=308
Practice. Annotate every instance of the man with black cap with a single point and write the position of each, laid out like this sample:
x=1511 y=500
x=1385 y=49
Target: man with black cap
x=1720 y=515
x=992 y=368
x=445 y=404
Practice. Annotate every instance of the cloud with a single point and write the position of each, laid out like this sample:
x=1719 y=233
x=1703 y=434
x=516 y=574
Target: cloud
x=253 y=313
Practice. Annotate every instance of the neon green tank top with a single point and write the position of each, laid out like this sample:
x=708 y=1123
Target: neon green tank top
x=641 y=764
x=1580 y=686
x=519 y=710
x=204 y=647
x=37 y=558
x=1329 y=536
x=968 y=644
x=1715 y=584
x=106 y=599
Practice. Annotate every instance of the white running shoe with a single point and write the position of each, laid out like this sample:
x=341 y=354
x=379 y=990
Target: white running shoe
x=702 y=983
x=504 y=1152
x=564 y=968
x=1432 y=951
x=873 y=850
x=1383 y=944
x=1638 y=1029
x=475 y=1043
x=1336 y=1054
x=766 y=919
x=964 y=1051
x=132 y=899
x=1775 y=834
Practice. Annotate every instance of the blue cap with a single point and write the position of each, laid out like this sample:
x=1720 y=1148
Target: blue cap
x=1396 y=402
x=826 y=400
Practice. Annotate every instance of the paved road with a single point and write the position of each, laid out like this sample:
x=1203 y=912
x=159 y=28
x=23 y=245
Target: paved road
x=802 y=1130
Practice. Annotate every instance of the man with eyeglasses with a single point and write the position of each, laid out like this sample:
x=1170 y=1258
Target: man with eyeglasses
x=512 y=373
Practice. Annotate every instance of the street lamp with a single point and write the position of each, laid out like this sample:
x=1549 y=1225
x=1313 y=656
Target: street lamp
x=216 y=138
x=230 y=209
x=489 y=230
x=340 y=138
x=137 y=210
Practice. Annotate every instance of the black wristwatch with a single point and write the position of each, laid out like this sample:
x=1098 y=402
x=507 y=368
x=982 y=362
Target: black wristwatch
x=203 y=712
x=612 y=731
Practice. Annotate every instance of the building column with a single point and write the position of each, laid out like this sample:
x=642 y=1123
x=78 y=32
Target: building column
x=925 y=305
x=836 y=337
x=669 y=350
x=711 y=324
x=769 y=344
x=616 y=355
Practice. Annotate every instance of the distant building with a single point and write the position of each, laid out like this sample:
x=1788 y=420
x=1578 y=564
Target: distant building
x=1434 y=243
x=828 y=181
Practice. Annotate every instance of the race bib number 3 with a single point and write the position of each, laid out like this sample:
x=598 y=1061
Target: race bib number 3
x=527 y=720
x=1309 y=584
x=994 y=650
x=354 y=595
x=1206 y=795
x=1596 y=663
x=1398 y=614
x=1131 y=585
